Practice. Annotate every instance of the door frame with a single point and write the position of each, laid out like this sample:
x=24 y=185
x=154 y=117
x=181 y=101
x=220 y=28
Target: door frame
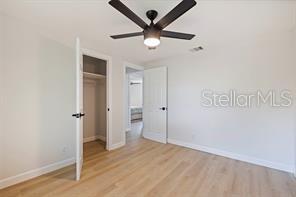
x=79 y=145
x=126 y=93
x=108 y=59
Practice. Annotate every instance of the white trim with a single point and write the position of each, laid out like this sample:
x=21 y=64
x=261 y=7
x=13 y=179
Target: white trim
x=245 y=158
x=102 y=138
x=35 y=173
x=94 y=138
x=95 y=54
x=108 y=59
x=130 y=65
x=89 y=139
x=155 y=137
x=116 y=146
x=93 y=76
x=79 y=100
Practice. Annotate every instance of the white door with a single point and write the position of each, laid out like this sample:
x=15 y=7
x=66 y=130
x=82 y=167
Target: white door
x=79 y=110
x=155 y=104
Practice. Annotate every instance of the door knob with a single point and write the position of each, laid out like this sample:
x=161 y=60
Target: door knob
x=163 y=108
x=78 y=115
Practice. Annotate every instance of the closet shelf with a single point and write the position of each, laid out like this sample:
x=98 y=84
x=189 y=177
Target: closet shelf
x=93 y=75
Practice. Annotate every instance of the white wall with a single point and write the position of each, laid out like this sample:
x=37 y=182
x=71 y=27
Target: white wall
x=294 y=54
x=94 y=94
x=261 y=135
x=101 y=108
x=118 y=101
x=39 y=88
x=136 y=95
x=39 y=77
x=1 y=94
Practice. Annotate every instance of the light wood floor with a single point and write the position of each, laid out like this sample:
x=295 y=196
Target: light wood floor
x=146 y=168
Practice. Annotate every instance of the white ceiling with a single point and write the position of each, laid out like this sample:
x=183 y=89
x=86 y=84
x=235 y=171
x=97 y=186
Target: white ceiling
x=217 y=24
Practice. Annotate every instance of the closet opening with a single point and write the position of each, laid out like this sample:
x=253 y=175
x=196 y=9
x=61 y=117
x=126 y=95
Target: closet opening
x=94 y=103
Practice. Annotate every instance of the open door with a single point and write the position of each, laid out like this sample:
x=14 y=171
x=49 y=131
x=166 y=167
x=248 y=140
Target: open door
x=79 y=110
x=155 y=104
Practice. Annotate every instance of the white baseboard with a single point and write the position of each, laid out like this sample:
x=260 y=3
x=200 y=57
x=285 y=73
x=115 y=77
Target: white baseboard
x=155 y=137
x=245 y=158
x=93 y=138
x=103 y=138
x=115 y=146
x=35 y=173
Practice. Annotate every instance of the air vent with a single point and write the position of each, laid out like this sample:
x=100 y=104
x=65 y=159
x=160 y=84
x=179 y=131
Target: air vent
x=196 y=49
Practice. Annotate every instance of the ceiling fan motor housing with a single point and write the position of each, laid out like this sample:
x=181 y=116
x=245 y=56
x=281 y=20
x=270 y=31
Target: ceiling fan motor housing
x=152 y=32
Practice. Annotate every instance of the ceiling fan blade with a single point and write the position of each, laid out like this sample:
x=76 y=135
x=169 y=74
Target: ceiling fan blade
x=118 y=5
x=175 y=13
x=177 y=35
x=127 y=35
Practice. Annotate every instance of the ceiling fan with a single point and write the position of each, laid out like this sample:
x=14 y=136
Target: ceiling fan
x=153 y=32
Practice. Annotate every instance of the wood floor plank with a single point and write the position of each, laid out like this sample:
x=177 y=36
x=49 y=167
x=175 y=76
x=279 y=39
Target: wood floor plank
x=146 y=169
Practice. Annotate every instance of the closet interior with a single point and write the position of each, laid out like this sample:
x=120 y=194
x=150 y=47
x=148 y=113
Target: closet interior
x=94 y=99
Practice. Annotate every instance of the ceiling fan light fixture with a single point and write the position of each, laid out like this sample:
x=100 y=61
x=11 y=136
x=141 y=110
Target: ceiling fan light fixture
x=152 y=42
x=153 y=32
x=151 y=37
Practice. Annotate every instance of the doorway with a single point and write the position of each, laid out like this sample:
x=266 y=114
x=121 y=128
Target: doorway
x=97 y=73
x=146 y=116
x=94 y=102
x=134 y=102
